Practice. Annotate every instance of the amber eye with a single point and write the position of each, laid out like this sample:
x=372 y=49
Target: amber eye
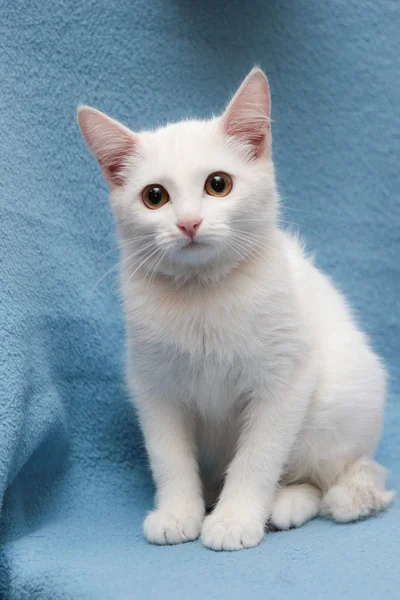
x=218 y=184
x=155 y=196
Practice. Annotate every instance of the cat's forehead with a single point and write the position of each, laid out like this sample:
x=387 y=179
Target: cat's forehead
x=184 y=132
x=186 y=145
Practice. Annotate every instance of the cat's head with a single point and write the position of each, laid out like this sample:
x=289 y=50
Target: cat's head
x=192 y=196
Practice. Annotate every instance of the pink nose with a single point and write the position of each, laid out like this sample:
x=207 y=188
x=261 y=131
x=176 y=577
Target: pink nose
x=189 y=226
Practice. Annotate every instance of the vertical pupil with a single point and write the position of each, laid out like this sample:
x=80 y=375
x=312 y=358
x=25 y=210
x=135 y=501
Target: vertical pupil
x=218 y=183
x=155 y=195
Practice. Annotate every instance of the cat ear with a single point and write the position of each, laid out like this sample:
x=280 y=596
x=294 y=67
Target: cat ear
x=247 y=117
x=111 y=142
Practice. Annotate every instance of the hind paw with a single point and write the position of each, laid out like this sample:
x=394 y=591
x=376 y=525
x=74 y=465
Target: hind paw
x=294 y=505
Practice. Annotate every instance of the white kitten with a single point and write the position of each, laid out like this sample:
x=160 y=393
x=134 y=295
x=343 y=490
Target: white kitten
x=255 y=389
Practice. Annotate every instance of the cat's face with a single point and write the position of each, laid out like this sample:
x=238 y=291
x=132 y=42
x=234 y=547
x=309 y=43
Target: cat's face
x=194 y=194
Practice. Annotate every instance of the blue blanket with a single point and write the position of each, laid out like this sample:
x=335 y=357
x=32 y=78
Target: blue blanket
x=74 y=482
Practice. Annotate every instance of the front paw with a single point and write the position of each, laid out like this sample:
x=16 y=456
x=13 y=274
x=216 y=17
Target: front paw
x=170 y=527
x=230 y=531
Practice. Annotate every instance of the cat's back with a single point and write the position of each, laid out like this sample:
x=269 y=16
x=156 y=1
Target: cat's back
x=319 y=297
x=344 y=351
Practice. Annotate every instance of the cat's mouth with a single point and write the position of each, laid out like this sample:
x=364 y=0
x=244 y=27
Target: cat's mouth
x=194 y=244
x=196 y=252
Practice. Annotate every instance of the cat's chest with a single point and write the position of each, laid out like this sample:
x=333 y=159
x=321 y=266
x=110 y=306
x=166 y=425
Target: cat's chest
x=197 y=350
x=205 y=331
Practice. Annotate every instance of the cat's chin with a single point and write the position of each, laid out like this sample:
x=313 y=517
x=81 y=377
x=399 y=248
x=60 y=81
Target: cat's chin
x=196 y=254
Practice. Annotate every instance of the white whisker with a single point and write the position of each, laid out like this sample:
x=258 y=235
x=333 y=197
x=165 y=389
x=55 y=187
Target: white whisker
x=248 y=237
x=154 y=269
x=142 y=263
x=253 y=247
x=279 y=220
x=122 y=262
x=122 y=244
x=234 y=248
x=148 y=270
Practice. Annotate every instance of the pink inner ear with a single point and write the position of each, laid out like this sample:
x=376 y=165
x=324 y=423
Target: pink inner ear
x=253 y=133
x=114 y=163
x=247 y=117
x=110 y=142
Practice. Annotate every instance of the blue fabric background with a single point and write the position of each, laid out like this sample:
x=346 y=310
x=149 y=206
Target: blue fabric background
x=73 y=475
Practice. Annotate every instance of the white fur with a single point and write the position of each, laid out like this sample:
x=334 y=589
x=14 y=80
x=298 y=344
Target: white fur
x=245 y=363
x=294 y=505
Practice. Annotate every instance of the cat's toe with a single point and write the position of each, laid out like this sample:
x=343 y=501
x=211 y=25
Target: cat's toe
x=162 y=527
x=231 y=533
x=294 y=505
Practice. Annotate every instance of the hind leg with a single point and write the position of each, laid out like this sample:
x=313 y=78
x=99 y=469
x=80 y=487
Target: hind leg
x=358 y=493
x=294 y=505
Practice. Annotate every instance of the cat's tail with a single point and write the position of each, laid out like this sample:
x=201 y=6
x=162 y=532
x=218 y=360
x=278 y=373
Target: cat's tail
x=359 y=492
